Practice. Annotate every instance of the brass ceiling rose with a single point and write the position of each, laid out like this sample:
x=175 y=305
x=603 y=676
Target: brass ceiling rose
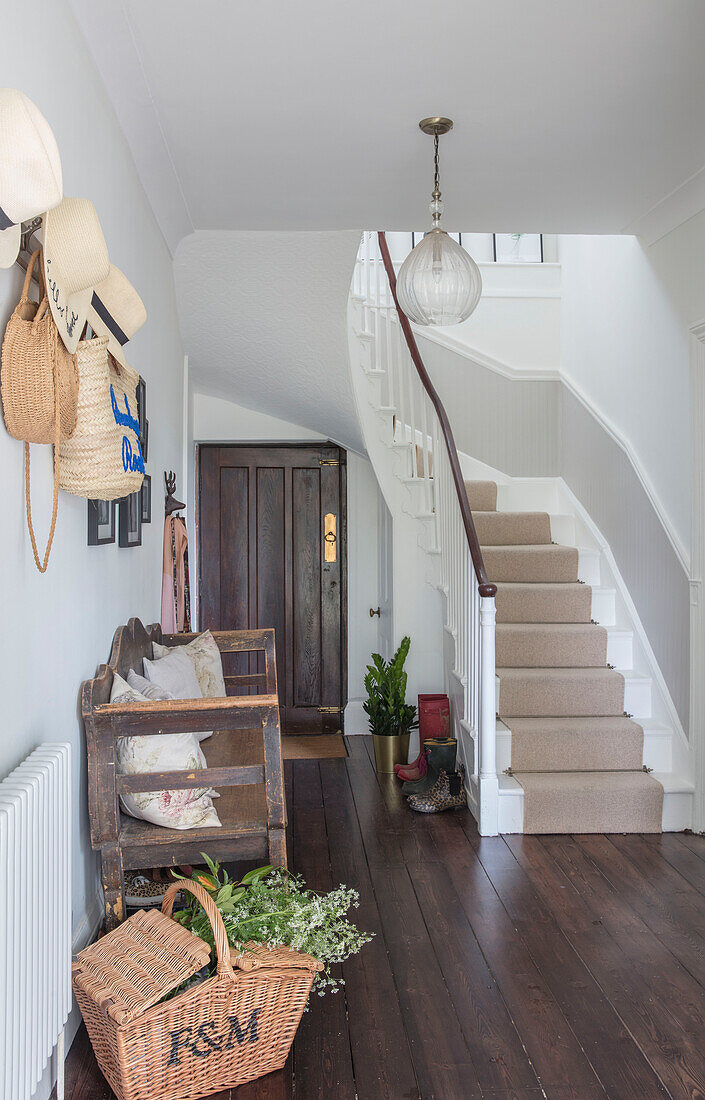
x=436 y=125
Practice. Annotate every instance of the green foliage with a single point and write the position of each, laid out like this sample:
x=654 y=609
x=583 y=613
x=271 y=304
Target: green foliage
x=274 y=907
x=385 y=684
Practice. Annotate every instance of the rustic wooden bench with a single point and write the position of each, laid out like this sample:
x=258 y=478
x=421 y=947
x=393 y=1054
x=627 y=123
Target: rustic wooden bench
x=244 y=762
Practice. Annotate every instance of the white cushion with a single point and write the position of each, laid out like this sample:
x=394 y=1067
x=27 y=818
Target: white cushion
x=174 y=673
x=207 y=661
x=186 y=809
x=147 y=688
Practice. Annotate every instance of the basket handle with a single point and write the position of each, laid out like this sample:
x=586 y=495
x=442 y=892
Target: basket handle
x=211 y=910
x=42 y=565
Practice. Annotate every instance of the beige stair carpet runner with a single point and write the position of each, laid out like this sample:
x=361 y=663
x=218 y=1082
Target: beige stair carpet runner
x=574 y=751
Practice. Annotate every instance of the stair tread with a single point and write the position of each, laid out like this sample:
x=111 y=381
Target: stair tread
x=512 y=528
x=482 y=495
x=602 y=723
x=543 y=601
x=578 y=781
x=551 y=628
x=591 y=802
x=564 y=674
x=532 y=563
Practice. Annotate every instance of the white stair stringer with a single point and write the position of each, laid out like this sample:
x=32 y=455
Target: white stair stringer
x=666 y=750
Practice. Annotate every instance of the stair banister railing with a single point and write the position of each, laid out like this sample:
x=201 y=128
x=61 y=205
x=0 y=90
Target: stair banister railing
x=470 y=596
x=484 y=585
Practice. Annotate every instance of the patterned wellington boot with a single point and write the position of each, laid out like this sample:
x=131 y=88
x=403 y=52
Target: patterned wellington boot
x=447 y=793
x=441 y=757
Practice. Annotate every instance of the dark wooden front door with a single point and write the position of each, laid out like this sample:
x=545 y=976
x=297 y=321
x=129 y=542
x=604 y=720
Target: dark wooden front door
x=273 y=554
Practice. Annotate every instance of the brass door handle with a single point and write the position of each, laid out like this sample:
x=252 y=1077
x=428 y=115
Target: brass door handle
x=330 y=537
x=378 y=612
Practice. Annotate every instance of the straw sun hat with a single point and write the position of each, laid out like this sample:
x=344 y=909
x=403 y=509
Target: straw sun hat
x=116 y=311
x=30 y=169
x=75 y=262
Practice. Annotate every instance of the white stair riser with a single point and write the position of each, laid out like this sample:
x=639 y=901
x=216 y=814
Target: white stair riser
x=589 y=566
x=658 y=753
x=603 y=610
x=526 y=496
x=620 y=649
x=562 y=529
x=637 y=697
x=677 y=810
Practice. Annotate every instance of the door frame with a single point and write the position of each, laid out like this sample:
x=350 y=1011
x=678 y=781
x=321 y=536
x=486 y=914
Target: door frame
x=697 y=568
x=299 y=444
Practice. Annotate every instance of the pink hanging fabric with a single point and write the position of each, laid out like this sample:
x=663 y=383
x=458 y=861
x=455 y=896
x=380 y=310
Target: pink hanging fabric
x=175 y=553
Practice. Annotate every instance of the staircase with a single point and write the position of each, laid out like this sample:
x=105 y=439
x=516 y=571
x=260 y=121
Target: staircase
x=574 y=750
x=558 y=732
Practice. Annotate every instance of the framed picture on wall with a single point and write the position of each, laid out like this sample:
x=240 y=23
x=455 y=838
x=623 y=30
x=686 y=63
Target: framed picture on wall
x=518 y=248
x=130 y=520
x=146 y=498
x=142 y=406
x=144 y=441
x=101 y=522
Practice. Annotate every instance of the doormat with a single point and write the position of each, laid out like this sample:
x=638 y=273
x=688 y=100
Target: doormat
x=317 y=746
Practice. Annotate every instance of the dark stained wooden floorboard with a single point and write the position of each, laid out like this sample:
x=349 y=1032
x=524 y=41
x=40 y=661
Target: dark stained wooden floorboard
x=693 y=841
x=498 y=1056
x=555 y=1054
x=607 y=1043
x=687 y=862
x=442 y=1060
x=657 y=892
x=623 y=956
x=516 y=968
x=380 y=1049
x=322 y=1060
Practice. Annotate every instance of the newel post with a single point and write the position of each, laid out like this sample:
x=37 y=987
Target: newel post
x=488 y=815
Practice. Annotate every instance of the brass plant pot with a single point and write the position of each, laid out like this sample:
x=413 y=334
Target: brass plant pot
x=390 y=750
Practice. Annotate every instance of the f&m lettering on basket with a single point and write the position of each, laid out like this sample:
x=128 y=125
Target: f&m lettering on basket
x=203 y=1044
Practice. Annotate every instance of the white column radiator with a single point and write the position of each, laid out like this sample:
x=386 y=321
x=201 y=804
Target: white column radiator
x=35 y=916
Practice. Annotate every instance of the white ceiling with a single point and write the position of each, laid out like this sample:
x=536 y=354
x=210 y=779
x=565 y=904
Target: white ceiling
x=263 y=318
x=571 y=116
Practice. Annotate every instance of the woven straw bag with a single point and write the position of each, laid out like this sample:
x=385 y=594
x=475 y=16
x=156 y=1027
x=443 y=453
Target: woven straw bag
x=229 y=1029
x=32 y=356
x=103 y=459
x=39 y=384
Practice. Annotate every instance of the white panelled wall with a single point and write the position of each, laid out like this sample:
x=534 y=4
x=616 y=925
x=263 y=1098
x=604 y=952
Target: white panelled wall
x=58 y=627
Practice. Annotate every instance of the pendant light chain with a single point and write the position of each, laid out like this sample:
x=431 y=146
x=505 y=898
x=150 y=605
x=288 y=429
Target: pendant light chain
x=436 y=204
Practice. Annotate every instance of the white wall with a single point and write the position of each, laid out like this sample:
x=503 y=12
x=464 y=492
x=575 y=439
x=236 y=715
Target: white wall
x=626 y=311
x=217 y=420
x=58 y=627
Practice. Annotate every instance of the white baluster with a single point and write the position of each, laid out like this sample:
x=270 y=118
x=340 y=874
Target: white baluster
x=488 y=800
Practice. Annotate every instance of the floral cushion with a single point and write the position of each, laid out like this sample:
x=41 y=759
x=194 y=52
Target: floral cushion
x=186 y=809
x=208 y=663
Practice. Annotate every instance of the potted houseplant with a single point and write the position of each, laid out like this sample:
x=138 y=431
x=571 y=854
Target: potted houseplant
x=391 y=718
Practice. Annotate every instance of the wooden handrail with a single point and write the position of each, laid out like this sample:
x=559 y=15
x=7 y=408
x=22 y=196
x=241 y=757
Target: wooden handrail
x=484 y=586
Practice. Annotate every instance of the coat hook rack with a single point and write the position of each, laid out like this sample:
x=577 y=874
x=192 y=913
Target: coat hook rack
x=171 y=504
x=26 y=247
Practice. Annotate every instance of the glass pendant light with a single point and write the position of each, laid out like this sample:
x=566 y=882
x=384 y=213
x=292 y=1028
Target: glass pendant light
x=439 y=283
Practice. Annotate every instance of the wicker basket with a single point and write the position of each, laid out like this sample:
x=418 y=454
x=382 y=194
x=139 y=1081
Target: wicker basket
x=103 y=459
x=231 y=1028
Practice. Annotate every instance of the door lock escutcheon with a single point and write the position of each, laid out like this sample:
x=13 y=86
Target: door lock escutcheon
x=330 y=537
